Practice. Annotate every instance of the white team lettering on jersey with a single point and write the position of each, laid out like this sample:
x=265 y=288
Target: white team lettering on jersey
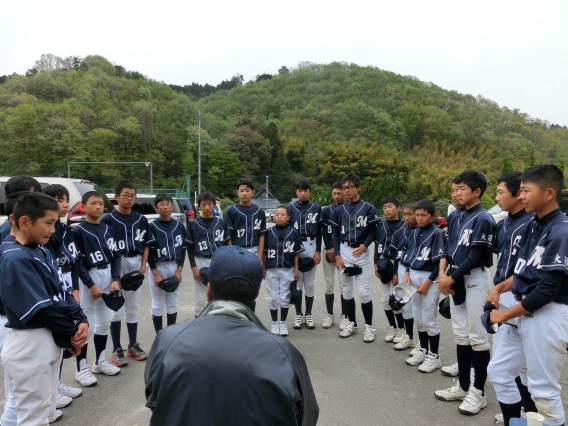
x=361 y=221
x=140 y=235
x=425 y=254
x=464 y=238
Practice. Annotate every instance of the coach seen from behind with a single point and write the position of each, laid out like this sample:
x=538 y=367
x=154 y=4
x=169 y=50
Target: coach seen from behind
x=224 y=368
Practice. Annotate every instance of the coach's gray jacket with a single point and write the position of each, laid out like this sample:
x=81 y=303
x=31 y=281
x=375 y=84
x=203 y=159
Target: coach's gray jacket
x=224 y=368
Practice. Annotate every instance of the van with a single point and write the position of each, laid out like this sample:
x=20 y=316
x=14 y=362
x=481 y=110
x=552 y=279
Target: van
x=76 y=188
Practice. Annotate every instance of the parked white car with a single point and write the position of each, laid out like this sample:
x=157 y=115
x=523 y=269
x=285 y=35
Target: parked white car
x=497 y=213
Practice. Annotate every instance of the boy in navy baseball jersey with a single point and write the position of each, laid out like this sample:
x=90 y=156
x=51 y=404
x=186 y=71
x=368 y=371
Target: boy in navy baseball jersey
x=305 y=217
x=328 y=262
x=132 y=236
x=280 y=264
x=166 y=259
x=540 y=288
x=399 y=243
x=354 y=224
x=99 y=272
x=33 y=293
x=386 y=230
x=246 y=221
x=469 y=254
x=63 y=249
x=426 y=246
x=12 y=188
x=205 y=234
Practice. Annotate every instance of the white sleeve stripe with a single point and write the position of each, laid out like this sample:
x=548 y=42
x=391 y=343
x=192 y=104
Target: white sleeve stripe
x=33 y=307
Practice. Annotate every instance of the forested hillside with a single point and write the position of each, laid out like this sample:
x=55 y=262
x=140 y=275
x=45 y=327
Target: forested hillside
x=401 y=135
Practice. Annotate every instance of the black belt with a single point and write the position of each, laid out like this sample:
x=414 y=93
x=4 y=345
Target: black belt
x=102 y=266
x=519 y=297
x=306 y=238
x=132 y=254
x=351 y=244
x=65 y=269
x=205 y=257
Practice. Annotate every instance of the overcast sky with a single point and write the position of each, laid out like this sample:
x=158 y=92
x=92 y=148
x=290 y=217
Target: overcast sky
x=514 y=52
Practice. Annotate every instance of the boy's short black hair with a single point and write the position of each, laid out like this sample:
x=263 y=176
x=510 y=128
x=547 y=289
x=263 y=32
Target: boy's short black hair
x=246 y=182
x=9 y=206
x=391 y=199
x=353 y=178
x=206 y=196
x=545 y=176
x=512 y=181
x=281 y=207
x=337 y=185
x=303 y=183
x=162 y=197
x=239 y=290
x=455 y=180
x=33 y=205
x=427 y=205
x=473 y=179
x=56 y=191
x=409 y=205
x=125 y=184
x=90 y=194
x=17 y=184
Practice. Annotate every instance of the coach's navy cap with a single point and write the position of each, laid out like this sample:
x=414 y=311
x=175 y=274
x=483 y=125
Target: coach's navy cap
x=235 y=262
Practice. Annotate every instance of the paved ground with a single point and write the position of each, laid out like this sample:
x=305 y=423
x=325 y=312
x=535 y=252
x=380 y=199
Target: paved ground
x=355 y=383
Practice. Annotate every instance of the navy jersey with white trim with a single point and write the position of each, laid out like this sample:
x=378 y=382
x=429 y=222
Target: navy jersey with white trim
x=206 y=235
x=383 y=237
x=282 y=244
x=95 y=243
x=354 y=223
x=131 y=231
x=305 y=217
x=169 y=244
x=426 y=246
x=6 y=244
x=399 y=241
x=62 y=245
x=5 y=229
x=508 y=242
x=246 y=224
x=326 y=226
x=544 y=248
x=473 y=227
x=31 y=280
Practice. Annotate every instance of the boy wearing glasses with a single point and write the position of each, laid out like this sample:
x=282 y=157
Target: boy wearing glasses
x=166 y=260
x=132 y=238
x=354 y=224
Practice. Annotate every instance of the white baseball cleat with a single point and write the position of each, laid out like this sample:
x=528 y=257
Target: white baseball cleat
x=283 y=328
x=328 y=321
x=369 y=334
x=275 y=329
x=390 y=335
x=405 y=343
x=473 y=402
x=430 y=364
x=453 y=393
x=349 y=329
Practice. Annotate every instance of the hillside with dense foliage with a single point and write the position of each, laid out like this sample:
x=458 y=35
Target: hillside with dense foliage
x=401 y=135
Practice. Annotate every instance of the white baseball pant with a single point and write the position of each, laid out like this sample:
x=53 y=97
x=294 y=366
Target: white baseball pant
x=131 y=298
x=329 y=272
x=407 y=310
x=32 y=360
x=200 y=290
x=278 y=287
x=468 y=329
x=539 y=344
x=98 y=314
x=306 y=280
x=161 y=298
x=9 y=416
x=362 y=281
x=425 y=307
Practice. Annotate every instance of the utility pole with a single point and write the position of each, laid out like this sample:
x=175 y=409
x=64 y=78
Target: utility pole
x=199 y=152
x=266 y=192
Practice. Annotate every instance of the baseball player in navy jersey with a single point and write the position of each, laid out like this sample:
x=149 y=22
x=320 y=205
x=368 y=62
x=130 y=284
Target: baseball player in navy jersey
x=398 y=245
x=469 y=254
x=63 y=249
x=132 y=236
x=246 y=221
x=328 y=262
x=99 y=272
x=205 y=234
x=32 y=287
x=305 y=217
x=386 y=230
x=540 y=288
x=354 y=225
x=426 y=246
x=280 y=265
x=166 y=259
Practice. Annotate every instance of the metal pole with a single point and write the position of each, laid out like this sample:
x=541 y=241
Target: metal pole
x=199 y=152
x=151 y=177
x=68 y=170
x=266 y=192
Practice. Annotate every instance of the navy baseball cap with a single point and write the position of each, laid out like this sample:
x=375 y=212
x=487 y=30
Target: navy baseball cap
x=235 y=262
